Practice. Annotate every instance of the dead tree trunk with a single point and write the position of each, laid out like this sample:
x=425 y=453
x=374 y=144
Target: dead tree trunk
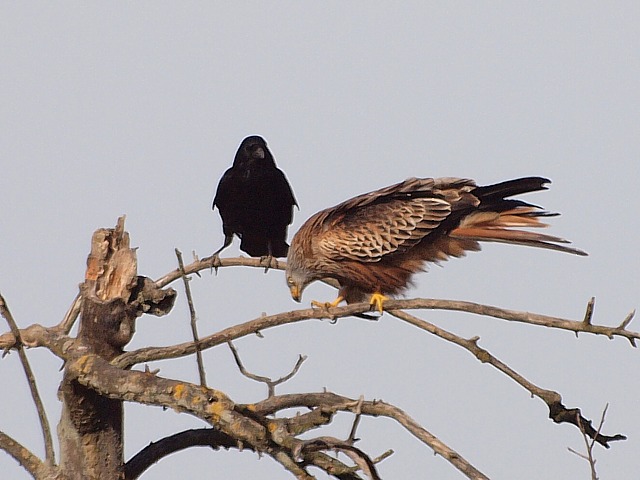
x=113 y=296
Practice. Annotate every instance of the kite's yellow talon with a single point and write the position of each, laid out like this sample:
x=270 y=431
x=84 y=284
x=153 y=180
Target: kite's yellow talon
x=377 y=301
x=327 y=305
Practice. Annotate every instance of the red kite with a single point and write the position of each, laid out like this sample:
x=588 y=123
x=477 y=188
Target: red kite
x=372 y=244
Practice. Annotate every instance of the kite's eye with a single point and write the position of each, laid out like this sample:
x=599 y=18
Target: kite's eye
x=290 y=281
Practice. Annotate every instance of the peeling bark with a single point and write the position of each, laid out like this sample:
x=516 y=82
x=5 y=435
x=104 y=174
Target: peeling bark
x=113 y=296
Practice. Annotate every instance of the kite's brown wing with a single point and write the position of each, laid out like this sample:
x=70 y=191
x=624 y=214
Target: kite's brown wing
x=391 y=220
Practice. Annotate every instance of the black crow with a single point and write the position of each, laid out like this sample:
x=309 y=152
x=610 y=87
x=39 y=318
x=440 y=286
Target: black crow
x=255 y=201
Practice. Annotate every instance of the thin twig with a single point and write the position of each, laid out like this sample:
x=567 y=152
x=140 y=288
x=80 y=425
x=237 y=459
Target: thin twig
x=351 y=439
x=382 y=456
x=194 y=328
x=590 y=443
x=72 y=314
x=588 y=314
x=627 y=320
x=42 y=414
x=271 y=384
x=588 y=447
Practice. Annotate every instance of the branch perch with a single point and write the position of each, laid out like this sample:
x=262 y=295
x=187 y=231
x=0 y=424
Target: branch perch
x=269 y=321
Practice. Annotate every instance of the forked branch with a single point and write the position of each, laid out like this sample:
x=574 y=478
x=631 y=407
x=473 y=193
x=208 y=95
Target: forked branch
x=331 y=402
x=271 y=384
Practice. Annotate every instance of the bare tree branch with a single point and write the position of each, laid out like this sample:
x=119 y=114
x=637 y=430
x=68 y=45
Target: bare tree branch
x=589 y=443
x=485 y=310
x=215 y=262
x=194 y=327
x=23 y=456
x=223 y=336
x=557 y=411
x=375 y=408
x=271 y=384
x=360 y=458
x=356 y=421
x=515 y=316
x=268 y=321
x=588 y=314
x=155 y=451
x=33 y=388
x=210 y=405
x=589 y=446
x=7 y=340
x=71 y=316
x=627 y=321
x=38 y=336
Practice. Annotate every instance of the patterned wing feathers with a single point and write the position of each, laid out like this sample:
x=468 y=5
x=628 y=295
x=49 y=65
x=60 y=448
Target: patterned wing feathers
x=371 y=232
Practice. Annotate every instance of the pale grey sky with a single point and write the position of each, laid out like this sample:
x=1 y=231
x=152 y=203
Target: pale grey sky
x=138 y=108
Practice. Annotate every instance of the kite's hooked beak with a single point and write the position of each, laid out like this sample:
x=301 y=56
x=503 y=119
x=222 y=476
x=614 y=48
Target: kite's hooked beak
x=295 y=292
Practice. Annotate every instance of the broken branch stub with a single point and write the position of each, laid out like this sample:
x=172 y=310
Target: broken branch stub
x=113 y=296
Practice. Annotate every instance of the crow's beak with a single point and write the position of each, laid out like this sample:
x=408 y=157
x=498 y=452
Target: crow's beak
x=259 y=153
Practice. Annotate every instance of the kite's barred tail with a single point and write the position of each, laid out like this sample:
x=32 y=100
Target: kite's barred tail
x=498 y=217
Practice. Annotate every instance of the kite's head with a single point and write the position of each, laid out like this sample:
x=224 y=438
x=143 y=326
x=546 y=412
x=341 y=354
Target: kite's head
x=295 y=288
x=298 y=276
x=297 y=281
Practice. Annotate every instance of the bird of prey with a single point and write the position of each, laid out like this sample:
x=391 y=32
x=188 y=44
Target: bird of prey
x=372 y=244
x=255 y=201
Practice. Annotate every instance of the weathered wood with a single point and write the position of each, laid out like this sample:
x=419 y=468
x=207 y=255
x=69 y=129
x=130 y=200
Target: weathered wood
x=113 y=296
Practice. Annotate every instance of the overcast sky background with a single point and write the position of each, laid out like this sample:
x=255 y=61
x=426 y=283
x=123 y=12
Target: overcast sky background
x=138 y=108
